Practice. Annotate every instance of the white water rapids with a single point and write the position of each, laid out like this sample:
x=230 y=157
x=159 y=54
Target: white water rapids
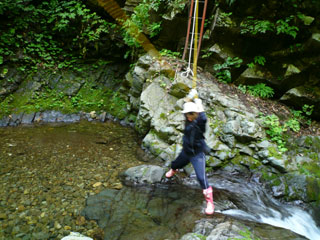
x=297 y=221
x=255 y=204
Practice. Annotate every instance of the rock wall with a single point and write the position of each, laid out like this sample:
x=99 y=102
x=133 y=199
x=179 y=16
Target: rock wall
x=235 y=133
x=285 y=34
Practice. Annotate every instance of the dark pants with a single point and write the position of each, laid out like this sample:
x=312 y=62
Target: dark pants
x=199 y=164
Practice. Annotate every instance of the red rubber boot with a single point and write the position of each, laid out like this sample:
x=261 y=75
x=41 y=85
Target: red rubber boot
x=209 y=198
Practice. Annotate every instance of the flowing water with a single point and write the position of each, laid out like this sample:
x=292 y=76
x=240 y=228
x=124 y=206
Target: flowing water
x=47 y=173
x=254 y=204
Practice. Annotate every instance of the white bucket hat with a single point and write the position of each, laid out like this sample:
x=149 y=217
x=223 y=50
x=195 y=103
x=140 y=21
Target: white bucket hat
x=190 y=107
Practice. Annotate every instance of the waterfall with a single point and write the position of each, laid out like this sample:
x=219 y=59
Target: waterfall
x=296 y=220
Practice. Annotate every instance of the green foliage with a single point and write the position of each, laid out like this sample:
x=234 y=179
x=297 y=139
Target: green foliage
x=206 y=53
x=304 y=114
x=260 y=90
x=140 y=22
x=242 y=88
x=257 y=60
x=307 y=109
x=247 y=235
x=89 y=98
x=275 y=130
x=169 y=53
x=223 y=70
x=281 y=26
x=260 y=60
x=293 y=124
x=254 y=26
x=200 y=236
x=49 y=34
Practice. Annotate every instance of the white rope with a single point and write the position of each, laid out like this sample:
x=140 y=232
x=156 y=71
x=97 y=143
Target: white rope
x=189 y=70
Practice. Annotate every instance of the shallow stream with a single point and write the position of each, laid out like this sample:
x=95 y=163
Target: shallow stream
x=47 y=172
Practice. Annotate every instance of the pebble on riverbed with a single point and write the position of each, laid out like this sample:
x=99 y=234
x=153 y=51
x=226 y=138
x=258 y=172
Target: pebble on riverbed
x=45 y=183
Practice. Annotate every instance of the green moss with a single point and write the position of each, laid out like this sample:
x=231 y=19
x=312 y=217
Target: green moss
x=313 y=189
x=310 y=169
x=214 y=123
x=276 y=182
x=268 y=176
x=247 y=161
x=89 y=98
x=274 y=152
x=163 y=116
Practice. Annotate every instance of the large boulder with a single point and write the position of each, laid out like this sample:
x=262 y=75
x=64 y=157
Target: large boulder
x=145 y=213
x=313 y=44
x=299 y=96
x=155 y=105
x=253 y=76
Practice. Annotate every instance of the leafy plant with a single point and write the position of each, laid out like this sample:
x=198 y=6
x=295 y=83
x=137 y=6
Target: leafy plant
x=260 y=60
x=242 y=88
x=206 y=53
x=260 y=90
x=275 y=130
x=293 y=124
x=281 y=26
x=257 y=60
x=304 y=114
x=254 y=26
x=223 y=70
x=169 y=53
x=308 y=109
x=48 y=22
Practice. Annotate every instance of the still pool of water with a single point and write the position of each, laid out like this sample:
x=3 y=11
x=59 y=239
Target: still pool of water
x=47 y=171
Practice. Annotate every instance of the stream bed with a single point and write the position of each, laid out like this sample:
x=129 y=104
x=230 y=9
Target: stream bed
x=62 y=178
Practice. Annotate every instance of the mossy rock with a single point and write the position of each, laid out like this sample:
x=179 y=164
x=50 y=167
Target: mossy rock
x=247 y=161
x=313 y=189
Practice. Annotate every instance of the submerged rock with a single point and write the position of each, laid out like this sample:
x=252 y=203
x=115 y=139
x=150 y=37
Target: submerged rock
x=144 y=213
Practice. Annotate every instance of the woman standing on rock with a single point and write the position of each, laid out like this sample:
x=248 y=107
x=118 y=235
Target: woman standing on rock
x=194 y=146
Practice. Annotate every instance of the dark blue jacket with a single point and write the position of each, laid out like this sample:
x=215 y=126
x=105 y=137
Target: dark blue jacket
x=193 y=139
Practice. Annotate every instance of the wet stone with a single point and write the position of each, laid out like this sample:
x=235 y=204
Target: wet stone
x=114 y=209
x=27 y=118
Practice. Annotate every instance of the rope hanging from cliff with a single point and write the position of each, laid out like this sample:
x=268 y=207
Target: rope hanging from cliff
x=194 y=43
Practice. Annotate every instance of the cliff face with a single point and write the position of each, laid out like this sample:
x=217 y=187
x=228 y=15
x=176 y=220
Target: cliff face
x=276 y=42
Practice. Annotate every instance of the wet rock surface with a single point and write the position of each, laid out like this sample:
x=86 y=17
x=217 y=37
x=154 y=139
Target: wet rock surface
x=171 y=211
x=144 y=213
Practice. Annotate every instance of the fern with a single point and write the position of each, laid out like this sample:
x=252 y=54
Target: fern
x=260 y=90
